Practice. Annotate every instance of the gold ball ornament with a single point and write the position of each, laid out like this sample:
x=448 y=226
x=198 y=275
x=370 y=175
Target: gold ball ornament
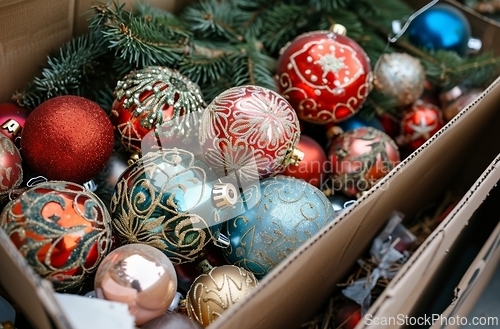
x=215 y=291
x=140 y=276
x=400 y=77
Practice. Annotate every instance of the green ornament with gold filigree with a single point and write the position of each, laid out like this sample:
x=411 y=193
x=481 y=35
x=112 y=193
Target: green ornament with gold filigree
x=171 y=200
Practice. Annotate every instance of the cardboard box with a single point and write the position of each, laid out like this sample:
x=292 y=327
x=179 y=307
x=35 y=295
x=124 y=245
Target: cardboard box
x=459 y=294
x=420 y=280
x=296 y=289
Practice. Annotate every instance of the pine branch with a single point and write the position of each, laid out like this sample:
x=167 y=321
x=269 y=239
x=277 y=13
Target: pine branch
x=68 y=72
x=216 y=20
x=143 y=38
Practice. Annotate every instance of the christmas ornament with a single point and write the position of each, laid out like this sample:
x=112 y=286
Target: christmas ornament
x=456 y=99
x=325 y=76
x=360 y=158
x=148 y=97
x=440 y=27
x=12 y=118
x=400 y=77
x=188 y=272
x=419 y=123
x=313 y=166
x=348 y=316
x=339 y=202
x=171 y=200
x=214 y=292
x=67 y=138
x=250 y=130
x=11 y=170
x=289 y=212
x=140 y=276
x=171 y=320
x=61 y=229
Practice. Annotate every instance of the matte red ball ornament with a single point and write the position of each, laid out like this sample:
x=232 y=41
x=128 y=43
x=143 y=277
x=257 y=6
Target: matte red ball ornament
x=67 y=138
x=151 y=96
x=419 y=124
x=12 y=118
x=360 y=158
x=252 y=130
x=312 y=168
x=62 y=229
x=11 y=170
x=325 y=76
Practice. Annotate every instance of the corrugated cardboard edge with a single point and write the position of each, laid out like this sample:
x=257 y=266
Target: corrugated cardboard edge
x=432 y=251
x=475 y=280
x=35 y=296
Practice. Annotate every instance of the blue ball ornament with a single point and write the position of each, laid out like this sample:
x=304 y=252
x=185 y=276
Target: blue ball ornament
x=288 y=213
x=441 y=27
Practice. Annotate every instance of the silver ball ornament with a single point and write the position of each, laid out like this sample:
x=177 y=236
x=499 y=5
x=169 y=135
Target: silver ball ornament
x=400 y=77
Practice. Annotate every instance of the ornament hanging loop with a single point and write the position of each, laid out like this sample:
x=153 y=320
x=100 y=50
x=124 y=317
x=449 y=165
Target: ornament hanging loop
x=399 y=30
x=396 y=25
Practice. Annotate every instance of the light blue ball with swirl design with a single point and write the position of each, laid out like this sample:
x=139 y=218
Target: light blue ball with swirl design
x=289 y=212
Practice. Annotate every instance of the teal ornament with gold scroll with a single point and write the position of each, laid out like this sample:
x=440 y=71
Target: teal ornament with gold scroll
x=171 y=200
x=289 y=212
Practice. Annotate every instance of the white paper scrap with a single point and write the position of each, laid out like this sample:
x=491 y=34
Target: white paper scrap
x=84 y=312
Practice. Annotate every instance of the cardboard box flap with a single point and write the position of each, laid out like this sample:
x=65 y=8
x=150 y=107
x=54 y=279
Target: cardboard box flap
x=404 y=290
x=474 y=281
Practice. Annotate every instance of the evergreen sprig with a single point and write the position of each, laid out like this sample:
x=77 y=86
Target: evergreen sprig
x=71 y=71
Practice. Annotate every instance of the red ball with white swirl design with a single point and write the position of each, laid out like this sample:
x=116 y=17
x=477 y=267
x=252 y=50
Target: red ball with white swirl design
x=325 y=76
x=420 y=123
x=251 y=131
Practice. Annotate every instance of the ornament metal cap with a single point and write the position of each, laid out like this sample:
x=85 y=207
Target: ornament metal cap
x=204 y=266
x=294 y=157
x=338 y=29
x=134 y=157
x=224 y=195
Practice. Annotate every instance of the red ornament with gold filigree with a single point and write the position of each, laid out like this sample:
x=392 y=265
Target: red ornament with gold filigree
x=250 y=130
x=325 y=76
x=149 y=97
x=419 y=123
x=62 y=229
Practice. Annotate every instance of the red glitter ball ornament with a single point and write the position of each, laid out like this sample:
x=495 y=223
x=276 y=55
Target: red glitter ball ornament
x=252 y=130
x=313 y=166
x=67 y=138
x=419 y=123
x=11 y=170
x=12 y=118
x=325 y=76
x=360 y=158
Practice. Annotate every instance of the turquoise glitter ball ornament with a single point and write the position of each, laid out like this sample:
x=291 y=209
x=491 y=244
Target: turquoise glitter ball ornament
x=288 y=213
x=441 y=27
x=171 y=200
